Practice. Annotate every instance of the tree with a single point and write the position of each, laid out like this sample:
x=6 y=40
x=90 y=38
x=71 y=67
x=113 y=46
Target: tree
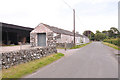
x=92 y=36
x=115 y=32
x=105 y=31
x=89 y=34
x=110 y=34
x=97 y=31
x=100 y=36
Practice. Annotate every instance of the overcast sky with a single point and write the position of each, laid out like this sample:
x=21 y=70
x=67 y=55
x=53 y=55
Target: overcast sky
x=90 y=14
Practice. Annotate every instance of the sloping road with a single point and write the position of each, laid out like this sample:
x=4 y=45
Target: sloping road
x=92 y=61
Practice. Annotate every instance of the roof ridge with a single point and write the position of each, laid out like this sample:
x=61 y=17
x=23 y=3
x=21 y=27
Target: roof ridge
x=55 y=27
x=60 y=30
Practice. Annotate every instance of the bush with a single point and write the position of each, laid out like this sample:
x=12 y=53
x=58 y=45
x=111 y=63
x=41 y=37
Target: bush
x=115 y=41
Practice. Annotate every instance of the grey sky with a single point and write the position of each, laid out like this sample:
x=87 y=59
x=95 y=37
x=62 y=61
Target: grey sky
x=90 y=14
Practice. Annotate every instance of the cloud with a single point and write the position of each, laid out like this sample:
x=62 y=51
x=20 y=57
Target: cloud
x=93 y=14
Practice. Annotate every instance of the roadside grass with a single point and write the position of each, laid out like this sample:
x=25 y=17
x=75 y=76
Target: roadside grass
x=111 y=45
x=29 y=67
x=79 y=46
x=61 y=48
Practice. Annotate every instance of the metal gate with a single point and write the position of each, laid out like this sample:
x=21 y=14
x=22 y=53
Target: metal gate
x=42 y=39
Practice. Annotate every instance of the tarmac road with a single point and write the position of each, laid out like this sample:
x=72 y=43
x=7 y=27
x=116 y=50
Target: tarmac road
x=92 y=61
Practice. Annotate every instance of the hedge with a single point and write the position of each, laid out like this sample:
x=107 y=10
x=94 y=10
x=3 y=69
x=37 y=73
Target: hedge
x=115 y=41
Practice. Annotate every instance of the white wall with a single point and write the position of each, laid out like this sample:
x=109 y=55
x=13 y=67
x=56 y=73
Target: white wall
x=69 y=39
x=78 y=40
x=65 y=38
x=86 y=40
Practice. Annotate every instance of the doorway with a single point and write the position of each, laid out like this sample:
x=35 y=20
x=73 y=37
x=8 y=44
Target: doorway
x=41 y=39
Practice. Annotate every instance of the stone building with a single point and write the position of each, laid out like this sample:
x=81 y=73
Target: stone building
x=45 y=35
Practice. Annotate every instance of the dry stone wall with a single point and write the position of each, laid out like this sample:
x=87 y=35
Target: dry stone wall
x=33 y=39
x=51 y=41
x=16 y=57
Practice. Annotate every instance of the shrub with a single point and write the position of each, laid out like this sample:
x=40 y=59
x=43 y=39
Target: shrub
x=115 y=41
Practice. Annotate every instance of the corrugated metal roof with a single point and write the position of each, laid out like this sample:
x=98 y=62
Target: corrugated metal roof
x=15 y=26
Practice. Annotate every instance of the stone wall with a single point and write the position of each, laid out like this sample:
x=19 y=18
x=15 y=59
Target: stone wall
x=33 y=37
x=16 y=57
x=62 y=45
x=51 y=40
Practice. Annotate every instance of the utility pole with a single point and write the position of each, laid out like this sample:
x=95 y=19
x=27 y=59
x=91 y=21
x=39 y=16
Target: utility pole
x=73 y=20
x=74 y=25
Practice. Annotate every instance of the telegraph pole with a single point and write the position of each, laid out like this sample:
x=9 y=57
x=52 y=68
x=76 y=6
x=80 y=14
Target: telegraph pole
x=74 y=25
x=73 y=20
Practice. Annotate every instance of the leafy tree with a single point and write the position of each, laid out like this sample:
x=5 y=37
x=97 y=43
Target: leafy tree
x=92 y=36
x=98 y=31
x=89 y=34
x=110 y=33
x=105 y=31
x=115 y=32
x=100 y=36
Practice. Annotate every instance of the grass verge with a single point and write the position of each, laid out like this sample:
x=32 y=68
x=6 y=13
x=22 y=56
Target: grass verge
x=29 y=67
x=61 y=48
x=79 y=46
x=111 y=45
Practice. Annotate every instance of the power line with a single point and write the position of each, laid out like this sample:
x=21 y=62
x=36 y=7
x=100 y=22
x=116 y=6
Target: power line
x=67 y=4
x=79 y=19
x=73 y=20
x=75 y=11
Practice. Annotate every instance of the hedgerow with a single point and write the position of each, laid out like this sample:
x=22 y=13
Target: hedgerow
x=115 y=41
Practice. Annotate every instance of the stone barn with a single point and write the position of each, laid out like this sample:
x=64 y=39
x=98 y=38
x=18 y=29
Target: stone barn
x=45 y=35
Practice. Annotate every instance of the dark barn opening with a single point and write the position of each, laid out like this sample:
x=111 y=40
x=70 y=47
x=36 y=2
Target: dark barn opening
x=13 y=34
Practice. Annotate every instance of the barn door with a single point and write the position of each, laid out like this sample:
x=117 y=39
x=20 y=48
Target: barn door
x=42 y=39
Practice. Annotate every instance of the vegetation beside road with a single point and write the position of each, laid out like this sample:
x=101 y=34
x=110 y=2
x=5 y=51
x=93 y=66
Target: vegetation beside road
x=105 y=34
x=79 y=46
x=27 y=68
x=109 y=37
x=111 y=45
x=115 y=41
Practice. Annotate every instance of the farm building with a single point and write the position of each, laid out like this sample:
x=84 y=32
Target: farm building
x=13 y=34
x=45 y=35
x=85 y=39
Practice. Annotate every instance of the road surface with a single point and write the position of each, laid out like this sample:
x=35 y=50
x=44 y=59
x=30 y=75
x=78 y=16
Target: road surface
x=92 y=61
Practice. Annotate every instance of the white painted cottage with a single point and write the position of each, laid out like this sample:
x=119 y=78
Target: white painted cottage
x=45 y=35
x=85 y=39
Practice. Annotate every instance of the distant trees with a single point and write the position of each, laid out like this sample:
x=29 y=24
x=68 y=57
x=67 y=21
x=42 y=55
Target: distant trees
x=89 y=34
x=99 y=36
x=114 y=32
